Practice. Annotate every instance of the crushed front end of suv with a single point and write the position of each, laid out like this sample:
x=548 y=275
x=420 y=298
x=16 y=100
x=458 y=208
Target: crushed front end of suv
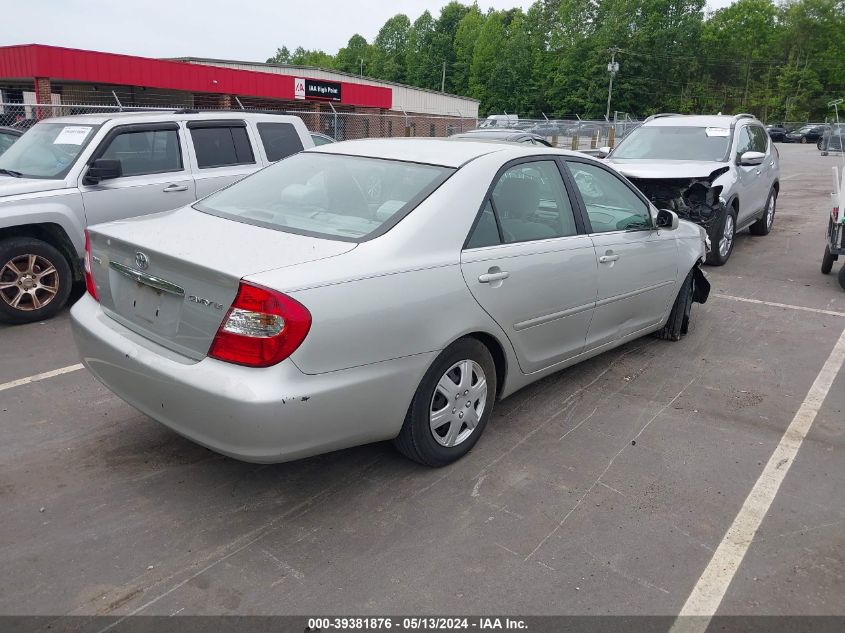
x=720 y=172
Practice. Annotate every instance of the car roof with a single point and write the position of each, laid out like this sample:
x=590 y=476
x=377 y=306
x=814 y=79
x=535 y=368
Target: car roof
x=166 y=115
x=11 y=130
x=436 y=151
x=695 y=120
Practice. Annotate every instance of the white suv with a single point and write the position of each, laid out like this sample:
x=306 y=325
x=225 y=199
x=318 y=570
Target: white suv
x=721 y=172
x=69 y=172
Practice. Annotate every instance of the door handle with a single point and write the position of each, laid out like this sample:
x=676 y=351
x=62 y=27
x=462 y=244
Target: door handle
x=487 y=278
x=606 y=259
x=174 y=188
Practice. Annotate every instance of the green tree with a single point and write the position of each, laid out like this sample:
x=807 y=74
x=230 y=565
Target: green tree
x=390 y=48
x=420 y=64
x=356 y=53
x=282 y=56
x=466 y=35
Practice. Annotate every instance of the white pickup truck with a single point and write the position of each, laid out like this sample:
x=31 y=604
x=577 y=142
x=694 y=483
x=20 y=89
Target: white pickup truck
x=70 y=172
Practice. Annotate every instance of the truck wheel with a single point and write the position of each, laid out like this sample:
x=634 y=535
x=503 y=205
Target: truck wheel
x=35 y=280
x=722 y=239
x=827 y=260
x=764 y=224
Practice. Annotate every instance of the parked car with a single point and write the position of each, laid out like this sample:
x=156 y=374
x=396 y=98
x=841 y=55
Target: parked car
x=8 y=135
x=321 y=139
x=511 y=136
x=24 y=124
x=584 y=129
x=776 y=132
x=545 y=128
x=721 y=172
x=68 y=172
x=500 y=121
x=306 y=319
x=806 y=134
x=832 y=141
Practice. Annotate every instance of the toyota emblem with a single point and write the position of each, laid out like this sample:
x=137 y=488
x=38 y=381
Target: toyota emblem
x=142 y=261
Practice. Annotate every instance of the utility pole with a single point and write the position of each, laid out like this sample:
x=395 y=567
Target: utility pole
x=362 y=67
x=443 y=80
x=612 y=68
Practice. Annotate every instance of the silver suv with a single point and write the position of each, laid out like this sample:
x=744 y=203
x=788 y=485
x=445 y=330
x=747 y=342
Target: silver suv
x=721 y=172
x=69 y=172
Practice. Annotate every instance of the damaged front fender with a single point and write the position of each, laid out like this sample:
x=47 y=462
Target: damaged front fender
x=694 y=199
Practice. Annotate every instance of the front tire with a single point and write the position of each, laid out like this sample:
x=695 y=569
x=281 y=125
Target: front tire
x=35 y=280
x=451 y=406
x=722 y=239
x=764 y=223
x=678 y=323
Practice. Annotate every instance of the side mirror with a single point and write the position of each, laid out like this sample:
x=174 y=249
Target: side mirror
x=103 y=169
x=667 y=219
x=752 y=158
x=604 y=152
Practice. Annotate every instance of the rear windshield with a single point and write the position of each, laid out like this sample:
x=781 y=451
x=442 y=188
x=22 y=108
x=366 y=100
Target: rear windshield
x=327 y=195
x=676 y=143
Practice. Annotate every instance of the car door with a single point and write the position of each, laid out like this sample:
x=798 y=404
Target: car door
x=637 y=264
x=529 y=264
x=763 y=175
x=154 y=174
x=747 y=177
x=223 y=152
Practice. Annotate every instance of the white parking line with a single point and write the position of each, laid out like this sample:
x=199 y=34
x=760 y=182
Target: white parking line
x=37 y=377
x=781 y=305
x=710 y=589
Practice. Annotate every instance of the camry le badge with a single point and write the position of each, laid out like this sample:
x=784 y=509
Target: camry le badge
x=142 y=261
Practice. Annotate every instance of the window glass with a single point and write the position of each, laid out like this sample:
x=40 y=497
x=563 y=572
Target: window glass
x=760 y=139
x=48 y=150
x=744 y=142
x=530 y=203
x=611 y=205
x=220 y=146
x=334 y=196
x=664 y=142
x=485 y=233
x=319 y=139
x=280 y=140
x=6 y=141
x=150 y=152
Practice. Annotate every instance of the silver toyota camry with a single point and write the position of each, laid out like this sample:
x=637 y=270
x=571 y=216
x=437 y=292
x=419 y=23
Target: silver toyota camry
x=378 y=289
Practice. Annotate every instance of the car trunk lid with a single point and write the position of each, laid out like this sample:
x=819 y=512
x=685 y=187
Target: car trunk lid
x=172 y=277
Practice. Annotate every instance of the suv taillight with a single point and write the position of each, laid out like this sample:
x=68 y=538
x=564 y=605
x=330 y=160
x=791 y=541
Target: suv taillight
x=263 y=327
x=89 y=276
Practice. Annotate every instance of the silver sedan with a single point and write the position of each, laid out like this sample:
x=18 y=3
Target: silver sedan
x=304 y=310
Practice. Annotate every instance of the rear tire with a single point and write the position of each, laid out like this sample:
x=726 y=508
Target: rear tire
x=35 y=280
x=764 y=223
x=436 y=431
x=724 y=230
x=827 y=260
x=842 y=277
x=678 y=323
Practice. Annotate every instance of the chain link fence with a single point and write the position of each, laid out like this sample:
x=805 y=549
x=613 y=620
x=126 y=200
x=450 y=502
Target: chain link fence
x=332 y=121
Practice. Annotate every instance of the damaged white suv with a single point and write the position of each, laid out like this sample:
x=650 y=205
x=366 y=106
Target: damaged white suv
x=721 y=172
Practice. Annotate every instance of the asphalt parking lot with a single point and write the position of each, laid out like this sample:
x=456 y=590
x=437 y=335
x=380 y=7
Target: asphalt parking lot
x=604 y=489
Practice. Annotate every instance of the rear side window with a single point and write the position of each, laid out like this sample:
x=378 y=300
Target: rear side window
x=147 y=152
x=221 y=146
x=280 y=140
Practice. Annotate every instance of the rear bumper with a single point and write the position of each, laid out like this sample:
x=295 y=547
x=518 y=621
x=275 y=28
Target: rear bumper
x=259 y=415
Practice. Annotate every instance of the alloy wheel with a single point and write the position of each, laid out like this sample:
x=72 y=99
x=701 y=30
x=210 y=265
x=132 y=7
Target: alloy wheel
x=727 y=236
x=458 y=403
x=28 y=282
x=770 y=212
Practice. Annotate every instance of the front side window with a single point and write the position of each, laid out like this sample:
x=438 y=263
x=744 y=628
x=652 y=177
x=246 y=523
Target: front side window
x=744 y=143
x=222 y=146
x=529 y=202
x=146 y=152
x=326 y=195
x=759 y=139
x=47 y=150
x=661 y=142
x=280 y=140
x=611 y=205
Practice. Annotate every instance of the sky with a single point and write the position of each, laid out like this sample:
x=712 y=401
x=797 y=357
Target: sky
x=247 y=30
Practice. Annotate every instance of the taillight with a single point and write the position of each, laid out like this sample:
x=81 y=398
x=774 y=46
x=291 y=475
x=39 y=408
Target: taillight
x=89 y=276
x=263 y=327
